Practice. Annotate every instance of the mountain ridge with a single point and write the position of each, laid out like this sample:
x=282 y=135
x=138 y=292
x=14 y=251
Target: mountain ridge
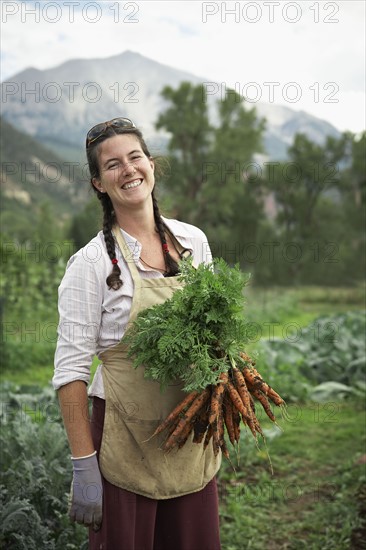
x=128 y=84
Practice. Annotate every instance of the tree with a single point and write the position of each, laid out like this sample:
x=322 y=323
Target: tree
x=314 y=196
x=209 y=180
x=186 y=120
x=352 y=187
x=85 y=225
x=233 y=204
x=297 y=185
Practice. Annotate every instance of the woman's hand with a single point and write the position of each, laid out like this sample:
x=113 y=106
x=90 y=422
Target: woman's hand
x=86 y=492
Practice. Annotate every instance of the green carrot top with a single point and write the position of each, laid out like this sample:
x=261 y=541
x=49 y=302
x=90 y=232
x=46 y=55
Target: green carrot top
x=194 y=335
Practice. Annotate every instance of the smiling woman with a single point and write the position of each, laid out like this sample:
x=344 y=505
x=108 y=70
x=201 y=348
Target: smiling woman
x=122 y=488
x=126 y=174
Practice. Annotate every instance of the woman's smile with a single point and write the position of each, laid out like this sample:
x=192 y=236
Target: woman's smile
x=132 y=184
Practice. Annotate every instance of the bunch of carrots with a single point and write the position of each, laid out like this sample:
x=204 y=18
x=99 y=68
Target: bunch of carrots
x=207 y=413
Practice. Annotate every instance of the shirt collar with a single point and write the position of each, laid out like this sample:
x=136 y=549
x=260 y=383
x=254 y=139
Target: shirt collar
x=180 y=231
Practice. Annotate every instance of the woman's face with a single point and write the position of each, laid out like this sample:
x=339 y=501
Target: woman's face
x=126 y=173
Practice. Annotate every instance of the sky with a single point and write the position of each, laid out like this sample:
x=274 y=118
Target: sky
x=307 y=55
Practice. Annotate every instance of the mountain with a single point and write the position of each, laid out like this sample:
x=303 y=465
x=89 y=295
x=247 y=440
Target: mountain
x=31 y=176
x=284 y=123
x=57 y=106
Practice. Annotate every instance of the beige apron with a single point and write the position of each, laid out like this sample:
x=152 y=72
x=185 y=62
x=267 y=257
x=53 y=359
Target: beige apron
x=136 y=406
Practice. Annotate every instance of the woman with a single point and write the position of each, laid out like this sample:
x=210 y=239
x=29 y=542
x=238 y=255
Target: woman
x=131 y=495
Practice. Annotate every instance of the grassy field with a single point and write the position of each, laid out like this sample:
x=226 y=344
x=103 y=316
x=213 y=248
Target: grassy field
x=314 y=497
x=274 y=308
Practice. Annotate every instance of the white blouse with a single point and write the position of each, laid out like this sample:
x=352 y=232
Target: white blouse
x=93 y=318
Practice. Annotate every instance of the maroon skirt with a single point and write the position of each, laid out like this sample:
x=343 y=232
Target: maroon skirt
x=135 y=522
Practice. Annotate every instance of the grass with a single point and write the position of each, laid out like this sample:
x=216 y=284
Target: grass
x=310 y=502
x=274 y=309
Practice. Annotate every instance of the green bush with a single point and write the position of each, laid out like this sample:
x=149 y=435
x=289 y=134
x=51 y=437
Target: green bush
x=35 y=474
x=25 y=356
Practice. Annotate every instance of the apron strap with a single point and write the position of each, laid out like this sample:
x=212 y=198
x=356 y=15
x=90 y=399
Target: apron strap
x=126 y=253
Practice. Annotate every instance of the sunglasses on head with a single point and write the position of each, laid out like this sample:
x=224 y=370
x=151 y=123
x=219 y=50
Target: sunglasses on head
x=99 y=129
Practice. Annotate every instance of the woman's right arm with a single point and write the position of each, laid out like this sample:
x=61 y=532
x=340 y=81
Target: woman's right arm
x=80 y=305
x=80 y=310
x=73 y=400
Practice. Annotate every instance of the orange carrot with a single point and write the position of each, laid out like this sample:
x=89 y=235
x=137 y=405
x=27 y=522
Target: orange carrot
x=264 y=387
x=254 y=378
x=176 y=412
x=200 y=425
x=225 y=452
x=236 y=399
x=250 y=419
x=184 y=435
x=172 y=427
x=250 y=377
x=220 y=426
x=264 y=402
x=257 y=425
x=242 y=390
x=236 y=421
x=186 y=418
x=229 y=422
x=217 y=395
x=255 y=419
x=274 y=397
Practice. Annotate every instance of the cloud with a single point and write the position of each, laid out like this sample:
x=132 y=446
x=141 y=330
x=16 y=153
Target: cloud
x=184 y=29
x=310 y=43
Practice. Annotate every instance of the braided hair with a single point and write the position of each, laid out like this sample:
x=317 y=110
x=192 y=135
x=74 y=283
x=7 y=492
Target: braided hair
x=171 y=265
x=114 y=280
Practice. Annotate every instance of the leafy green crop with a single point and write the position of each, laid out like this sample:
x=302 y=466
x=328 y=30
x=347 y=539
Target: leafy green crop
x=196 y=334
x=326 y=362
x=35 y=473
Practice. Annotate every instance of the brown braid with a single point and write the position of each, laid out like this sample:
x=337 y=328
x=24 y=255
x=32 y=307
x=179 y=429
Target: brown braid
x=109 y=219
x=172 y=267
